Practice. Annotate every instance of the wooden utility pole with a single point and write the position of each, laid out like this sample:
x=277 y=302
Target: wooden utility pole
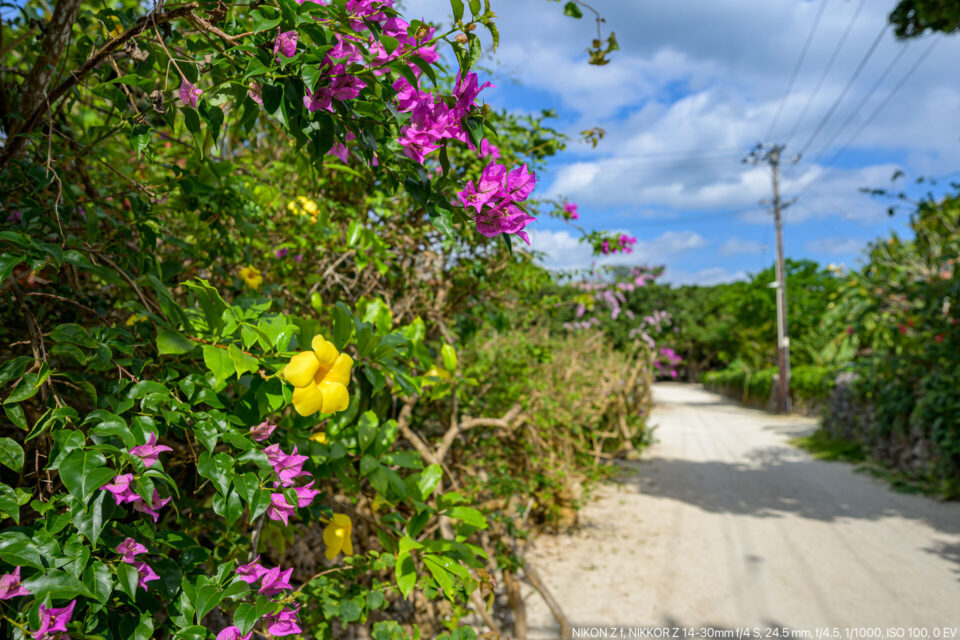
x=770 y=154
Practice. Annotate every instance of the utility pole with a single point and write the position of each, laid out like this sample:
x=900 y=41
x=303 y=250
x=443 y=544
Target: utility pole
x=770 y=154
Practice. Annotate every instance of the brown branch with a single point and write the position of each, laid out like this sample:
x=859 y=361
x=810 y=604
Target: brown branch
x=17 y=138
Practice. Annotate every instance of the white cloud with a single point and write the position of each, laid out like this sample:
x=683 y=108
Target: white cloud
x=562 y=250
x=835 y=246
x=734 y=246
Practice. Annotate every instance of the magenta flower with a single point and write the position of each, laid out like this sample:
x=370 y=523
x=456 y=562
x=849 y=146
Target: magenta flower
x=188 y=92
x=14 y=217
x=150 y=452
x=285 y=44
x=571 y=210
x=120 y=488
x=146 y=573
x=520 y=184
x=466 y=92
x=152 y=508
x=10 y=585
x=284 y=623
x=251 y=572
x=339 y=150
x=275 y=581
x=306 y=494
x=288 y=467
x=129 y=549
x=510 y=219
x=280 y=509
x=233 y=633
x=263 y=430
x=255 y=93
x=487 y=149
x=54 y=620
x=317 y=101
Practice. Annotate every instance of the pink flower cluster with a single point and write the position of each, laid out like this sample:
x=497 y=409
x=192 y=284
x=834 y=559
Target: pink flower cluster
x=288 y=468
x=621 y=244
x=495 y=197
x=570 y=211
x=128 y=550
x=53 y=621
x=668 y=361
x=272 y=582
x=121 y=489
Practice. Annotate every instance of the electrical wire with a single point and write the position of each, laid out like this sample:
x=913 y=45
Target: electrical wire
x=856 y=73
x=869 y=94
x=796 y=67
x=826 y=70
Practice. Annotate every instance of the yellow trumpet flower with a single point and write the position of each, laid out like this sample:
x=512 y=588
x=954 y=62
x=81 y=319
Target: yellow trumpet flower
x=319 y=436
x=320 y=377
x=303 y=206
x=336 y=536
x=251 y=276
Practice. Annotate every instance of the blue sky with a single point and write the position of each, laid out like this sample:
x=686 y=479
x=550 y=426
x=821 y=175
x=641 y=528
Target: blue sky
x=698 y=83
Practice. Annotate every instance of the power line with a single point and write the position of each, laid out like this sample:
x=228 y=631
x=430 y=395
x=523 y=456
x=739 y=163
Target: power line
x=869 y=94
x=796 y=68
x=866 y=123
x=826 y=70
x=856 y=73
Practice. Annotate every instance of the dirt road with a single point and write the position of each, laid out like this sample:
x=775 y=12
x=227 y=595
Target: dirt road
x=724 y=525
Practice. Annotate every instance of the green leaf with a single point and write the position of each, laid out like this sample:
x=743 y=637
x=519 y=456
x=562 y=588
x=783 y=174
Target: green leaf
x=217 y=469
x=83 y=471
x=207 y=598
x=571 y=9
x=90 y=520
x=245 y=617
x=475 y=7
x=389 y=43
x=128 y=579
x=449 y=356
x=242 y=362
x=342 y=325
x=469 y=516
x=73 y=333
x=218 y=361
x=406 y=573
x=367 y=430
x=15 y=415
x=440 y=574
x=56 y=584
x=172 y=343
x=429 y=479
x=457 y=7
x=9 y=503
x=7 y=264
x=17 y=549
x=98 y=580
x=11 y=454
x=261 y=22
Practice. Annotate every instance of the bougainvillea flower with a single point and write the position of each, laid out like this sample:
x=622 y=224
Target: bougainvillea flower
x=129 y=549
x=571 y=210
x=150 y=452
x=285 y=44
x=281 y=253
x=146 y=573
x=251 y=276
x=320 y=377
x=251 y=572
x=189 y=93
x=120 y=488
x=151 y=509
x=336 y=536
x=466 y=91
x=53 y=621
x=255 y=93
x=280 y=509
x=10 y=585
x=487 y=149
x=284 y=623
x=275 y=581
x=520 y=184
x=288 y=467
x=509 y=219
x=233 y=633
x=317 y=101
x=306 y=494
x=262 y=431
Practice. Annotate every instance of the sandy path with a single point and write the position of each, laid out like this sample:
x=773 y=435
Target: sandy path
x=723 y=524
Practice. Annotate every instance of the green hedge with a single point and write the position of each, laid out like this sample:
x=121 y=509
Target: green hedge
x=809 y=384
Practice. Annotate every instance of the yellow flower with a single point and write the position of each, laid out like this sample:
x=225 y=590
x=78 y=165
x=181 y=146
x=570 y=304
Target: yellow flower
x=320 y=377
x=303 y=206
x=336 y=536
x=134 y=319
x=251 y=275
x=319 y=436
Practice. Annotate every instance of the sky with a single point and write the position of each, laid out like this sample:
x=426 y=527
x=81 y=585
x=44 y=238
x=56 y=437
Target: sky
x=694 y=87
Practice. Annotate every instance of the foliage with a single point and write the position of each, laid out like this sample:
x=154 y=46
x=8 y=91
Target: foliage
x=236 y=286
x=809 y=384
x=912 y=18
